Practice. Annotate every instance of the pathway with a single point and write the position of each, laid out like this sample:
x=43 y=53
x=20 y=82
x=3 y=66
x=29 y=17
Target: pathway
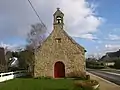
x=104 y=84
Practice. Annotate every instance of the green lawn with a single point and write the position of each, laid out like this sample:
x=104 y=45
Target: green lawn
x=38 y=84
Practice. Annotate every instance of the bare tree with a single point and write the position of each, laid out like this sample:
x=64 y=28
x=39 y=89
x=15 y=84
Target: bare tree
x=36 y=35
x=35 y=38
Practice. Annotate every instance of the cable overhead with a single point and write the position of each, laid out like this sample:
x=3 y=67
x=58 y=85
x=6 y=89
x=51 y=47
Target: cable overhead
x=45 y=25
x=37 y=14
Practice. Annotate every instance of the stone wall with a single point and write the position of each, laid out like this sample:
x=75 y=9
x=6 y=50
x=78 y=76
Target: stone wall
x=54 y=50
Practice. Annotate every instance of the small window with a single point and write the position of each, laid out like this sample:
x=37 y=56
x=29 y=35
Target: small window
x=58 y=40
x=59 y=19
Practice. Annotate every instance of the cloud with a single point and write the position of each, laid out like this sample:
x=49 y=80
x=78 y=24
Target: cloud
x=17 y=16
x=96 y=55
x=112 y=47
x=88 y=36
x=97 y=47
x=8 y=46
x=11 y=47
x=100 y=51
x=113 y=37
x=99 y=41
x=80 y=17
x=116 y=29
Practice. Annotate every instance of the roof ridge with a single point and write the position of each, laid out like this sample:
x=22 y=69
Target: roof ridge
x=73 y=41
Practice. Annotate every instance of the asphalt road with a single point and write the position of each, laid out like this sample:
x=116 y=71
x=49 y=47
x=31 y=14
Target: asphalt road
x=110 y=77
x=112 y=70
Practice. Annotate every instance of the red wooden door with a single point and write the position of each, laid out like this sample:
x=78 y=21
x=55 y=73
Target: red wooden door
x=59 y=70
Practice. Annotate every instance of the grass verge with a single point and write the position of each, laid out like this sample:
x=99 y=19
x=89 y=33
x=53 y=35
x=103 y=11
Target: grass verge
x=39 y=84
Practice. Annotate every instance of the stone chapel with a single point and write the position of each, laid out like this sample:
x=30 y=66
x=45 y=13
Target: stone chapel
x=59 y=56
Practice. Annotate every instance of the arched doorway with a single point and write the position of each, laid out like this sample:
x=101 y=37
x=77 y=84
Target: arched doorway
x=59 y=70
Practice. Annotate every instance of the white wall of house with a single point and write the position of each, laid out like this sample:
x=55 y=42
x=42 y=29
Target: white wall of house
x=109 y=63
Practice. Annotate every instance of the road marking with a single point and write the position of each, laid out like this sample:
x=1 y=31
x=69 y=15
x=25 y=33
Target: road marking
x=108 y=72
x=112 y=69
x=102 y=79
x=111 y=73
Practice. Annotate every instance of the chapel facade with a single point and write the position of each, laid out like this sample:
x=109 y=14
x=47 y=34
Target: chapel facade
x=59 y=55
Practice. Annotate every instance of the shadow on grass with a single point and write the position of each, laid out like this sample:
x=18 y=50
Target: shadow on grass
x=25 y=77
x=56 y=89
x=64 y=89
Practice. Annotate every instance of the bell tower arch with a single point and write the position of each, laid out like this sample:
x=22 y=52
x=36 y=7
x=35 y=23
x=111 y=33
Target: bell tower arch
x=58 y=18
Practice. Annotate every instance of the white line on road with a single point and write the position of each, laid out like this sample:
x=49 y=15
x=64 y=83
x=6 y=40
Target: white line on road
x=103 y=79
x=111 y=73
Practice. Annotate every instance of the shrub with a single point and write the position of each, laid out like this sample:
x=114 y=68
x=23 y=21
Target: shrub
x=82 y=85
x=95 y=65
x=87 y=84
x=87 y=77
x=117 y=64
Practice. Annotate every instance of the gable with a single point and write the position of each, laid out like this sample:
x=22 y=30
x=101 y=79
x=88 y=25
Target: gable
x=73 y=41
x=59 y=33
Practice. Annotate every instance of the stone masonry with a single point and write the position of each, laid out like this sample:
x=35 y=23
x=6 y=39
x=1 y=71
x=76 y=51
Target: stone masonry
x=59 y=46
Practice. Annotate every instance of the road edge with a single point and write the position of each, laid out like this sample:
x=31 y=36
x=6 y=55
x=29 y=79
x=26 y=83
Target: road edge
x=102 y=79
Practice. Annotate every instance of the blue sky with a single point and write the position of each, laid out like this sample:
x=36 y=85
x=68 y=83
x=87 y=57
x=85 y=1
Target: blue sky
x=109 y=10
x=98 y=33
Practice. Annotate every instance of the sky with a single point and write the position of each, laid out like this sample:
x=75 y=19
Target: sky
x=94 y=24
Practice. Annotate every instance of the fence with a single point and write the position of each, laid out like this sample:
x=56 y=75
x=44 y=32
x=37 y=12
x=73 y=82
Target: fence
x=12 y=75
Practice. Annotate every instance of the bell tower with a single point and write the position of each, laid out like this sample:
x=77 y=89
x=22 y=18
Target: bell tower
x=58 y=19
